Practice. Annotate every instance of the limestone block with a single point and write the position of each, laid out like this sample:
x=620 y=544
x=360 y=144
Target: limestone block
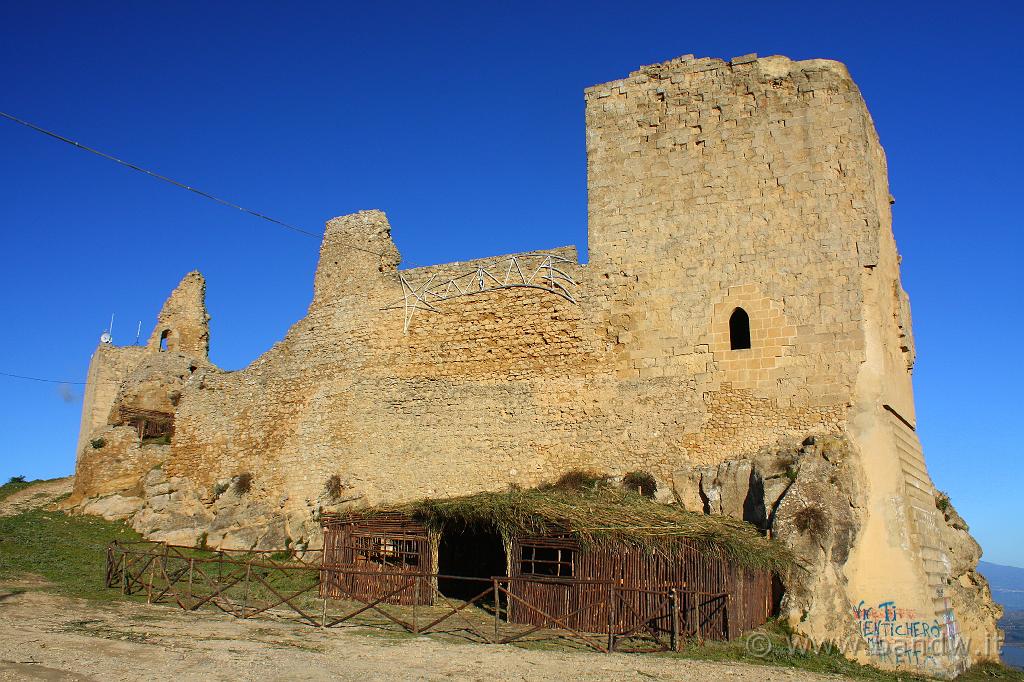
x=113 y=507
x=726 y=487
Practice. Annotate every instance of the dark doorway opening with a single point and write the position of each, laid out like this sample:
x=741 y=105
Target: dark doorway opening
x=472 y=552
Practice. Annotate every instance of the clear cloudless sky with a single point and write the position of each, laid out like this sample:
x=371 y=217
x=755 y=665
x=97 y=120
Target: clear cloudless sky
x=464 y=122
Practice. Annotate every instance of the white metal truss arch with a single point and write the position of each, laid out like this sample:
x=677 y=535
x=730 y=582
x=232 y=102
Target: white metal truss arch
x=537 y=270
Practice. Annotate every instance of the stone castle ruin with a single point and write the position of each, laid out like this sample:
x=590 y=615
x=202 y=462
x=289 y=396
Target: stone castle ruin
x=740 y=332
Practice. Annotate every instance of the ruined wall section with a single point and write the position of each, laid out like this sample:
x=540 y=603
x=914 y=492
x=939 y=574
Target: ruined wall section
x=761 y=209
x=478 y=391
x=183 y=324
x=133 y=392
x=494 y=387
x=275 y=418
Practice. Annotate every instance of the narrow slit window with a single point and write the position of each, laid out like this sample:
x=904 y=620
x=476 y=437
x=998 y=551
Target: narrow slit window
x=739 y=329
x=163 y=339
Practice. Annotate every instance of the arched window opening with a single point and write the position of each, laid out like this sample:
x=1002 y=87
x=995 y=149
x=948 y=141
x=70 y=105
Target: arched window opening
x=739 y=329
x=163 y=339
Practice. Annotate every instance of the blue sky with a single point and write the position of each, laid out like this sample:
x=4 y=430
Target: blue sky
x=464 y=122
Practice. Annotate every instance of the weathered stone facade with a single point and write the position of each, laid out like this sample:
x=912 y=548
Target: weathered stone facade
x=755 y=184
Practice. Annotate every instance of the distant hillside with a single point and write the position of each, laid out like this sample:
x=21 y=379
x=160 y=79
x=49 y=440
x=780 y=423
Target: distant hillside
x=1007 y=584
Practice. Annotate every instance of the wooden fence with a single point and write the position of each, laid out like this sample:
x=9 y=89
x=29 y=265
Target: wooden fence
x=283 y=585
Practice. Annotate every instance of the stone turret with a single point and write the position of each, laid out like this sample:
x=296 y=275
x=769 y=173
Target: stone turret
x=183 y=324
x=356 y=255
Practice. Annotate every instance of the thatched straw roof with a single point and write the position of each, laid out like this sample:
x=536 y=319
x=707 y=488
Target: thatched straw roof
x=596 y=517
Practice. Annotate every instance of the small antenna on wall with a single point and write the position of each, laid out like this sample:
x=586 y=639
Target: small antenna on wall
x=138 y=333
x=107 y=337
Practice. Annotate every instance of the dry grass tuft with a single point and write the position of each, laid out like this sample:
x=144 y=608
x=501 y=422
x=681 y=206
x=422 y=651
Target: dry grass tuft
x=578 y=479
x=812 y=521
x=243 y=483
x=641 y=482
x=333 y=487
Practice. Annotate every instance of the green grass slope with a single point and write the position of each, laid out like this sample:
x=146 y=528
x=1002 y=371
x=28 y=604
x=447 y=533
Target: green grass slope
x=67 y=551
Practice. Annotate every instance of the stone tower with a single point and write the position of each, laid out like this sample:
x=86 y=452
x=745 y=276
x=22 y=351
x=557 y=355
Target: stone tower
x=752 y=196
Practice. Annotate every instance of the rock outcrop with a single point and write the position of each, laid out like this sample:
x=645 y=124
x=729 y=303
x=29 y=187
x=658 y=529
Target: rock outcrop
x=819 y=517
x=807 y=495
x=813 y=498
x=978 y=614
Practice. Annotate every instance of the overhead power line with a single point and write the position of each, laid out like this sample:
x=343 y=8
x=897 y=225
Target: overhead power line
x=45 y=381
x=155 y=175
x=58 y=381
x=172 y=181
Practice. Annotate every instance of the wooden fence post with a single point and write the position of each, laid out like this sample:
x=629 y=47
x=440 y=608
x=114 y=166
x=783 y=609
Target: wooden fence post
x=149 y=586
x=673 y=603
x=191 y=567
x=245 y=595
x=611 y=617
x=725 y=617
x=497 y=612
x=415 y=602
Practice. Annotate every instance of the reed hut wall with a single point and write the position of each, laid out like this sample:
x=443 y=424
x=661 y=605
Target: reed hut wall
x=555 y=576
x=364 y=559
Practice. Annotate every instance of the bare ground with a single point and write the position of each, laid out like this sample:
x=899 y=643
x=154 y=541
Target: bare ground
x=49 y=637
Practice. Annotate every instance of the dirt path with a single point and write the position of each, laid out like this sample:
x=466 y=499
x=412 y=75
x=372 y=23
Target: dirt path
x=49 y=637
x=36 y=495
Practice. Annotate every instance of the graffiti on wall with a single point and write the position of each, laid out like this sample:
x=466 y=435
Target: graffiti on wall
x=900 y=636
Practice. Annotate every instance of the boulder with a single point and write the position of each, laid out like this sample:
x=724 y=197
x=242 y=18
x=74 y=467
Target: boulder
x=113 y=507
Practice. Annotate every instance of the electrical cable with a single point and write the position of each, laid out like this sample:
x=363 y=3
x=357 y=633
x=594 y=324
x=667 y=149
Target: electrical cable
x=174 y=182
x=48 y=381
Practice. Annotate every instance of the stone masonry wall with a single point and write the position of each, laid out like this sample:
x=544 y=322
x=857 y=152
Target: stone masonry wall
x=712 y=186
x=519 y=385
x=503 y=386
x=715 y=185
x=108 y=368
